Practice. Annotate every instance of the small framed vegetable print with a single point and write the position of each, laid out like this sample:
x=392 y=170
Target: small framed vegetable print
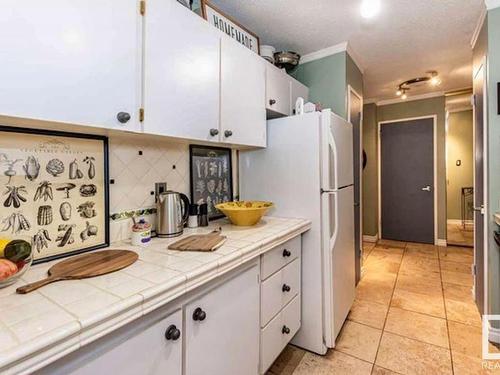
x=54 y=190
x=211 y=177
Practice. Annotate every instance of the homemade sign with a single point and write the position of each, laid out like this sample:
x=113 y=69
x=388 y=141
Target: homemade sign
x=229 y=26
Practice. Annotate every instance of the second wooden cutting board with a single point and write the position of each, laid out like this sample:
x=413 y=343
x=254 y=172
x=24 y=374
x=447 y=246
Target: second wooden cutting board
x=199 y=242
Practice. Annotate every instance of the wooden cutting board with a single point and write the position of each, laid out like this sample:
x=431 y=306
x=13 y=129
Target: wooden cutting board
x=199 y=242
x=84 y=266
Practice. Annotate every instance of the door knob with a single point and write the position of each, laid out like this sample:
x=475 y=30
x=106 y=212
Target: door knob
x=272 y=102
x=214 y=132
x=427 y=188
x=286 y=253
x=285 y=330
x=286 y=288
x=199 y=314
x=479 y=209
x=123 y=117
x=228 y=133
x=172 y=333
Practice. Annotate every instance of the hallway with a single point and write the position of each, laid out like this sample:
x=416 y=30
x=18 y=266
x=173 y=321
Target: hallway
x=414 y=314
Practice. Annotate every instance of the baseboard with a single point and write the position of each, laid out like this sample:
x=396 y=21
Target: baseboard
x=372 y=239
x=440 y=242
x=494 y=335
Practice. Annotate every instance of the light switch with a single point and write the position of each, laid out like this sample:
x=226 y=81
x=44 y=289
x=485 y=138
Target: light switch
x=458 y=163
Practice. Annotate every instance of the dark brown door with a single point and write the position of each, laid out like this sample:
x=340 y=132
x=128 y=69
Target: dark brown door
x=407 y=180
x=478 y=87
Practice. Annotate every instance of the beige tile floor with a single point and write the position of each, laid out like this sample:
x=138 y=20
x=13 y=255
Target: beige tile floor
x=457 y=235
x=414 y=314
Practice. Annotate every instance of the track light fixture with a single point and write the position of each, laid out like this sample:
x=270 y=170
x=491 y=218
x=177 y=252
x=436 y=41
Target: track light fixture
x=432 y=77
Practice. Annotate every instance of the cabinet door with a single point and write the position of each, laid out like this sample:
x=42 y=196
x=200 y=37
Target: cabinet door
x=243 y=95
x=72 y=61
x=181 y=83
x=298 y=90
x=137 y=348
x=277 y=91
x=226 y=342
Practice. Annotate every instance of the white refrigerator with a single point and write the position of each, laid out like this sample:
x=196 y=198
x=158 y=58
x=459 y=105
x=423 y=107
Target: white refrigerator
x=307 y=171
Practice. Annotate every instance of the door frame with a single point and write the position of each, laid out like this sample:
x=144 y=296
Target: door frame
x=379 y=169
x=483 y=65
x=352 y=92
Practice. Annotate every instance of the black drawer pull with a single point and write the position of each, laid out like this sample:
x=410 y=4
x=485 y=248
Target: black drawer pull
x=172 y=333
x=286 y=288
x=286 y=253
x=285 y=330
x=199 y=314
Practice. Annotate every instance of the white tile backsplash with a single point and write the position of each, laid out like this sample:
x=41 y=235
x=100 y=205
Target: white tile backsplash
x=135 y=175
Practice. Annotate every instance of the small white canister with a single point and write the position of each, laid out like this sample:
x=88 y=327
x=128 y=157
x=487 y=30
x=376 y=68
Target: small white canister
x=141 y=233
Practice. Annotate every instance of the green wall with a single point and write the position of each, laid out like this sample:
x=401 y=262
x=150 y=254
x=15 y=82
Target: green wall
x=459 y=146
x=370 y=173
x=493 y=129
x=417 y=108
x=328 y=79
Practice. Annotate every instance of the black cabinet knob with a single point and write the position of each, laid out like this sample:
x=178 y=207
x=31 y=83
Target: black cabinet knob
x=123 y=117
x=214 y=132
x=199 y=314
x=272 y=102
x=285 y=330
x=286 y=288
x=172 y=333
x=228 y=133
x=286 y=253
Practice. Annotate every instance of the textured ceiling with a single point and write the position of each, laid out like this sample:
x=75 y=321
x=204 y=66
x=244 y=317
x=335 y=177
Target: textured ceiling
x=407 y=38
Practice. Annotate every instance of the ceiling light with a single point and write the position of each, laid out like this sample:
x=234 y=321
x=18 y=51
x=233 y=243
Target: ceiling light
x=370 y=8
x=435 y=81
x=399 y=92
x=404 y=96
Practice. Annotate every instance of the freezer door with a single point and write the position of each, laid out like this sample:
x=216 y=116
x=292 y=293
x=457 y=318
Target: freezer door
x=337 y=165
x=338 y=254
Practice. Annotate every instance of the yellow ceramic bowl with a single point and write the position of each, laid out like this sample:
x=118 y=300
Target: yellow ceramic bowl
x=244 y=213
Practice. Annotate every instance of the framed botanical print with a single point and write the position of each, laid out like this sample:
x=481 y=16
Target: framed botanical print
x=211 y=177
x=55 y=191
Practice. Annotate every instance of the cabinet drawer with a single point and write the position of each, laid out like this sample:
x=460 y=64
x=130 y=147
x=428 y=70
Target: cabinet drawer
x=278 y=290
x=273 y=339
x=280 y=256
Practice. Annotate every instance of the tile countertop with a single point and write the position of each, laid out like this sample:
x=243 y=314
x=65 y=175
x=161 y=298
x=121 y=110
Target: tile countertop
x=42 y=326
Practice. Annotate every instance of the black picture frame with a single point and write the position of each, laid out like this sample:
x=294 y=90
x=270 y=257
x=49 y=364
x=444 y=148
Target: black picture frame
x=201 y=151
x=105 y=144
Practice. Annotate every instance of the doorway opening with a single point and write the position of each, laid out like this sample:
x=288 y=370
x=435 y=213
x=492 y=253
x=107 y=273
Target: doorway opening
x=459 y=170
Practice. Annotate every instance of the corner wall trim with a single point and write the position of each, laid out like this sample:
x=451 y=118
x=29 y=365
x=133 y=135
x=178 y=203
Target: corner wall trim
x=371 y=239
x=478 y=28
x=328 y=51
x=441 y=242
x=492 y=4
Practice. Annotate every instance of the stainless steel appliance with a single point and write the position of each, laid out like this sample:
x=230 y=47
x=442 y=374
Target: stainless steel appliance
x=172 y=210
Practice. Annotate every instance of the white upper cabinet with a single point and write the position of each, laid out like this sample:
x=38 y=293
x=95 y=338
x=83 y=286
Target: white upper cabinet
x=72 y=61
x=298 y=90
x=181 y=73
x=277 y=91
x=243 y=95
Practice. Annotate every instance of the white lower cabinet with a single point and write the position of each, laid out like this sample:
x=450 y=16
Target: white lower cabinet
x=278 y=333
x=152 y=346
x=236 y=324
x=222 y=328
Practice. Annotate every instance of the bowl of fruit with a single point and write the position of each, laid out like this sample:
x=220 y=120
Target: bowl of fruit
x=15 y=258
x=244 y=213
